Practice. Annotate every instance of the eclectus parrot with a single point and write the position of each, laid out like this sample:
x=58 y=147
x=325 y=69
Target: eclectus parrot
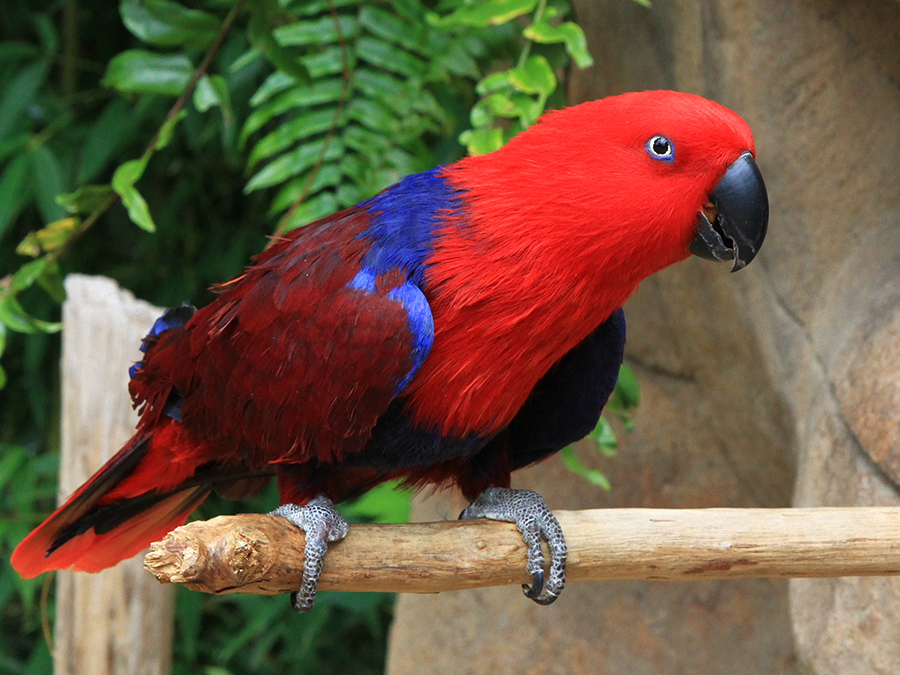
x=461 y=324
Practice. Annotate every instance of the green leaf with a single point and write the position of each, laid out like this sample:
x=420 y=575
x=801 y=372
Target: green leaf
x=627 y=387
x=314 y=7
x=52 y=236
x=14 y=191
x=328 y=62
x=328 y=91
x=458 y=61
x=129 y=173
x=259 y=31
x=27 y=274
x=52 y=282
x=245 y=59
x=373 y=115
x=391 y=28
x=482 y=141
x=568 y=33
x=365 y=141
x=312 y=209
x=274 y=83
x=573 y=464
x=212 y=90
x=624 y=397
x=168 y=24
x=318 y=32
x=293 y=163
x=495 y=82
x=140 y=72
x=47 y=182
x=86 y=199
x=123 y=183
x=166 y=131
x=488 y=13
x=480 y=116
x=15 y=317
x=289 y=133
x=605 y=438
x=137 y=208
x=328 y=175
x=388 y=57
x=517 y=105
x=382 y=86
x=534 y=77
x=348 y=195
x=19 y=94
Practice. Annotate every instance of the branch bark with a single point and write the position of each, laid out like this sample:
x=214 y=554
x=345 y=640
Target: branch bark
x=264 y=554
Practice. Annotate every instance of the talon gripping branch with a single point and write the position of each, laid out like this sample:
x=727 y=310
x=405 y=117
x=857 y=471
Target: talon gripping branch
x=461 y=324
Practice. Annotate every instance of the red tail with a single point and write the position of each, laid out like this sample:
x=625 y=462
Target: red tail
x=108 y=520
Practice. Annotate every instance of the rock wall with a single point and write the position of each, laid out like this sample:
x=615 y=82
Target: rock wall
x=778 y=385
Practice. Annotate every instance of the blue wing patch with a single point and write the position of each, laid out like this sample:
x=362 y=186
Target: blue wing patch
x=420 y=324
x=418 y=317
x=171 y=318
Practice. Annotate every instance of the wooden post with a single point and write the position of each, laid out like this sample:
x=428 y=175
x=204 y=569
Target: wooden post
x=120 y=620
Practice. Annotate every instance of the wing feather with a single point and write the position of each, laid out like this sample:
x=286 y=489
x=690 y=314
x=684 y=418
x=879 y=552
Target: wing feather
x=297 y=359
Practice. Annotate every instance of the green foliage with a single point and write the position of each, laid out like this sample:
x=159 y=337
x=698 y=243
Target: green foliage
x=364 y=116
x=26 y=482
x=513 y=99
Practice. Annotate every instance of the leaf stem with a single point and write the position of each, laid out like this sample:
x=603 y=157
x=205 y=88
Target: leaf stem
x=526 y=50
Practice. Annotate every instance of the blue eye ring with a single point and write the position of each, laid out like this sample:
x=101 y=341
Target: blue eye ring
x=660 y=148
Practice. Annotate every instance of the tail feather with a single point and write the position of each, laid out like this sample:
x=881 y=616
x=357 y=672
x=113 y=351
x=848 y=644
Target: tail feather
x=98 y=525
x=92 y=552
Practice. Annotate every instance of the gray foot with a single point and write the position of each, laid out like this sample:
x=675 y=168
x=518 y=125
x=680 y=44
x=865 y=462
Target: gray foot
x=321 y=523
x=529 y=512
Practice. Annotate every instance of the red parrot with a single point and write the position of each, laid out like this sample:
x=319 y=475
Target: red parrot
x=461 y=324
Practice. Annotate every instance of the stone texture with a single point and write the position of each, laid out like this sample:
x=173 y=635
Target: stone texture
x=777 y=385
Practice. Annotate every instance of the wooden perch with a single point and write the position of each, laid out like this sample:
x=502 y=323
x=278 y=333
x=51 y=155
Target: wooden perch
x=264 y=554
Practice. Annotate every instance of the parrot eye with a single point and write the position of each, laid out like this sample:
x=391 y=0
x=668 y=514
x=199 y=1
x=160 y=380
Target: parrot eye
x=660 y=148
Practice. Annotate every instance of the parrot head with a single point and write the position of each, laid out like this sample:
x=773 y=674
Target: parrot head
x=637 y=181
x=695 y=149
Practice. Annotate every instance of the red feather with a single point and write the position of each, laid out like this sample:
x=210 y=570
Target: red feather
x=126 y=474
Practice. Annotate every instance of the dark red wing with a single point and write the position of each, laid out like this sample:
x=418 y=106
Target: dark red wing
x=298 y=358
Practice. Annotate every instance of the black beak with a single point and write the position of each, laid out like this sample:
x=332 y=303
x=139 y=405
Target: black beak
x=741 y=208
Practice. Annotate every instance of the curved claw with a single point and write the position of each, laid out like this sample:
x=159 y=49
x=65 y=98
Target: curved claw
x=322 y=523
x=537 y=585
x=534 y=520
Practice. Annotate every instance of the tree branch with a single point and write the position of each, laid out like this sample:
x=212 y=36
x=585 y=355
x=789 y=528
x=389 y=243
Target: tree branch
x=264 y=554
